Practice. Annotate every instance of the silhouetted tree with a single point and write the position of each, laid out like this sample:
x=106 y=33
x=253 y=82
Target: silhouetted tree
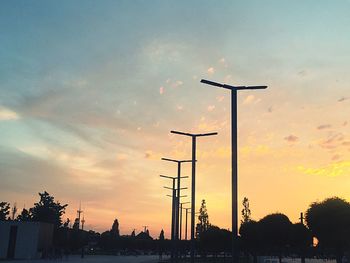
x=13 y=211
x=161 y=235
x=251 y=238
x=106 y=241
x=47 y=210
x=203 y=218
x=300 y=239
x=275 y=231
x=329 y=222
x=24 y=215
x=4 y=210
x=161 y=244
x=246 y=213
x=133 y=233
x=76 y=224
x=115 y=228
x=66 y=224
x=215 y=240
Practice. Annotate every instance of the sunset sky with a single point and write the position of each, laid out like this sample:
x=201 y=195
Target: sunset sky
x=89 y=91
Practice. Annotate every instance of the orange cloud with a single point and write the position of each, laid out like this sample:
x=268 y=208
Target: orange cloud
x=291 y=138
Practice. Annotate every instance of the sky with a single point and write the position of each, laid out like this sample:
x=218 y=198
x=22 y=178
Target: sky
x=89 y=91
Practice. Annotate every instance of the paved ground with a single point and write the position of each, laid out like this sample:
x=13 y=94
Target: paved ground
x=95 y=259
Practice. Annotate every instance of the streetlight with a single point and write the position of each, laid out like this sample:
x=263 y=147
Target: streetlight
x=234 y=89
x=187 y=211
x=179 y=162
x=193 y=184
x=181 y=216
x=173 y=206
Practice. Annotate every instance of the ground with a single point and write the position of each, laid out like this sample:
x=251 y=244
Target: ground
x=95 y=259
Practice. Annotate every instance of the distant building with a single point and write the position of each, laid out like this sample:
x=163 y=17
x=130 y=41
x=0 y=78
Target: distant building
x=25 y=240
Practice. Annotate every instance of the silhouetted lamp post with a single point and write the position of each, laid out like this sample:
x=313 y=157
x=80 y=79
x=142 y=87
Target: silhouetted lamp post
x=187 y=211
x=234 y=89
x=172 y=205
x=193 y=184
x=177 y=220
x=181 y=217
x=173 y=210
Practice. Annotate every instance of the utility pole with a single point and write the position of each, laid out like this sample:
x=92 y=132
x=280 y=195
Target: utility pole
x=193 y=183
x=79 y=211
x=302 y=218
x=234 y=89
x=82 y=232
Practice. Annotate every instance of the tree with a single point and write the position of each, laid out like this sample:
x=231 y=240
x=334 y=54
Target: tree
x=4 y=210
x=215 y=240
x=75 y=224
x=47 y=210
x=24 y=215
x=203 y=218
x=115 y=228
x=13 y=211
x=300 y=240
x=251 y=238
x=66 y=224
x=329 y=223
x=275 y=232
x=246 y=213
x=161 y=235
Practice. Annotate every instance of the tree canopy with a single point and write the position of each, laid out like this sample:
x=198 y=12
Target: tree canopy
x=203 y=219
x=4 y=210
x=329 y=222
x=47 y=210
x=246 y=213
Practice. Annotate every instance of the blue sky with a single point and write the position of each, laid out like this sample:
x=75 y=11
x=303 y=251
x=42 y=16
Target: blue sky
x=90 y=90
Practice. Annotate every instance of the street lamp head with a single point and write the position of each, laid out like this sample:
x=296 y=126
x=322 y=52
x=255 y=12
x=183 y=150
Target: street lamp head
x=176 y=161
x=207 y=134
x=168 y=177
x=194 y=134
x=182 y=133
x=250 y=87
x=225 y=86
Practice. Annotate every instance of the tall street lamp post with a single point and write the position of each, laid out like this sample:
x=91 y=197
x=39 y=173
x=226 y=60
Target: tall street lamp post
x=234 y=89
x=173 y=206
x=181 y=217
x=193 y=183
x=177 y=219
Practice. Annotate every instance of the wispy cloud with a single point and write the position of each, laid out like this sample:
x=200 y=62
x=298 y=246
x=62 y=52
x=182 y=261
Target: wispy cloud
x=161 y=90
x=211 y=107
x=324 y=126
x=291 y=138
x=7 y=114
x=343 y=99
x=332 y=169
x=250 y=99
x=332 y=141
x=211 y=70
